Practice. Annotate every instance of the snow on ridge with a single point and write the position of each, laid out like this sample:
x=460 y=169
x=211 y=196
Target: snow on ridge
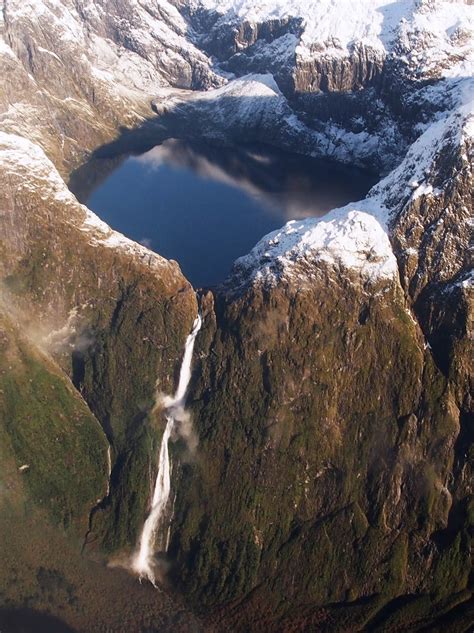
x=38 y=175
x=356 y=237
x=348 y=237
x=411 y=177
x=20 y=156
x=468 y=128
x=250 y=101
x=101 y=234
x=333 y=26
x=254 y=84
x=249 y=86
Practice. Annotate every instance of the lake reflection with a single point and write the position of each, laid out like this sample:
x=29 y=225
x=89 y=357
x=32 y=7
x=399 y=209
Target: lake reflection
x=204 y=206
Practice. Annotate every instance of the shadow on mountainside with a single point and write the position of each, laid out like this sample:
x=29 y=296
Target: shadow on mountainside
x=31 y=621
x=334 y=126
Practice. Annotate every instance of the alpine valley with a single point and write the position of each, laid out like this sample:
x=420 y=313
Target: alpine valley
x=313 y=470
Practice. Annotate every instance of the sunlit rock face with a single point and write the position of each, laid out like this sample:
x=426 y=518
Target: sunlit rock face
x=316 y=445
x=330 y=394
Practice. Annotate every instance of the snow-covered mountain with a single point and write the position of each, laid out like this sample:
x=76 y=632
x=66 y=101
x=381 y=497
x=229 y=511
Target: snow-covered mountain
x=426 y=35
x=361 y=89
x=331 y=397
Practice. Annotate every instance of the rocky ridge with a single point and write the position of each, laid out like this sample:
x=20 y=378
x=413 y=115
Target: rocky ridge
x=374 y=300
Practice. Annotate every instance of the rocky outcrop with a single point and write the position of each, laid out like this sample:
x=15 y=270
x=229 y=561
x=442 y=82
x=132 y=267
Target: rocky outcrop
x=326 y=482
x=362 y=68
x=119 y=307
x=224 y=40
x=332 y=482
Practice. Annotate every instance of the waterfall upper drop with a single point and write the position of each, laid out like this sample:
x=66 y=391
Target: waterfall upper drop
x=143 y=561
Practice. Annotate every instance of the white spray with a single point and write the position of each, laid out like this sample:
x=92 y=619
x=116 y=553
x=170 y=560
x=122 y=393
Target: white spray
x=143 y=561
x=109 y=469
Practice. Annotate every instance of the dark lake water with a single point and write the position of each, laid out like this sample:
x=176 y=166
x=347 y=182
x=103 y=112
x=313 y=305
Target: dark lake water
x=204 y=206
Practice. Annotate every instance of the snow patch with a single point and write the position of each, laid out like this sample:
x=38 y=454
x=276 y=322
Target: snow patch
x=425 y=190
x=48 y=52
x=353 y=237
x=442 y=29
x=37 y=175
x=356 y=236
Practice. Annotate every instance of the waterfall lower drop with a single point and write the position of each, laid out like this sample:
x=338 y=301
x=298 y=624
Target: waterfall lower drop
x=143 y=561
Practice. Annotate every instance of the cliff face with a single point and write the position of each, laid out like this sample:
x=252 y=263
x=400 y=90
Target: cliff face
x=332 y=401
x=329 y=473
x=332 y=484
x=325 y=457
x=117 y=307
x=82 y=309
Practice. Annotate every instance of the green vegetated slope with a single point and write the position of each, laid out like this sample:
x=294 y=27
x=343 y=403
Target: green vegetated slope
x=114 y=318
x=327 y=444
x=112 y=323
x=44 y=508
x=49 y=433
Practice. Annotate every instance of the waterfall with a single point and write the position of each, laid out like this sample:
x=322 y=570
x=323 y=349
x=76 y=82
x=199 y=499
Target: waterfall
x=143 y=561
x=109 y=470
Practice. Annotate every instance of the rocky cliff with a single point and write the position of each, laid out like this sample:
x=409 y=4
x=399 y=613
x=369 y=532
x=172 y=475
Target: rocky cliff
x=89 y=305
x=331 y=489
x=343 y=474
